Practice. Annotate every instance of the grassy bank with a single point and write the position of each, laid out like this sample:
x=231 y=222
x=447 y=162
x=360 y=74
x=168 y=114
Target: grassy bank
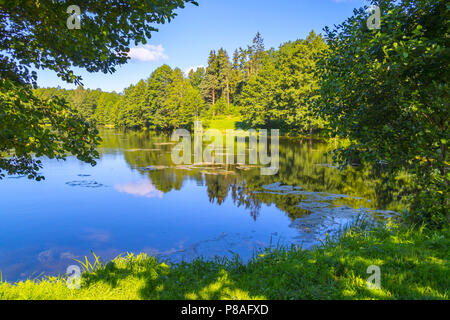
x=222 y=122
x=414 y=265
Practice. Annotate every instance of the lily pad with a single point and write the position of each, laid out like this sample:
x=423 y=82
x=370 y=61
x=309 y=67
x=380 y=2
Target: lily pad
x=153 y=168
x=85 y=184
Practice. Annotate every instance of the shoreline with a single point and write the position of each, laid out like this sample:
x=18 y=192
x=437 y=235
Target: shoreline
x=413 y=263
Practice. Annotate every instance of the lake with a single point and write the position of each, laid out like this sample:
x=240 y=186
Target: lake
x=136 y=200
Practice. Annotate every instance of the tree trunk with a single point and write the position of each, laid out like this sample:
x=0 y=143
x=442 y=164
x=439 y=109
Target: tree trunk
x=228 y=92
x=310 y=134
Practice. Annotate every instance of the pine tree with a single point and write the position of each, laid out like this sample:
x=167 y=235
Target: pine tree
x=211 y=82
x=257 y=52
x=224 y=74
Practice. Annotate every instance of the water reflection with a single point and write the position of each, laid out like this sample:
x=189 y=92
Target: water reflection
x=137 y=200
x=301 y=164
x=141 y=189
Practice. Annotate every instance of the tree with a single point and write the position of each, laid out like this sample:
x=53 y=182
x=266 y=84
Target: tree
x=282 y=93
x=31 y=126
x=158 y=90
x=94 y=105
x=196 y=77
x=191 y=107
x=133 y=114
x=105 y=106
x=224 y=74
x=258 y=98
x=387 y=91
x=250 y=59
x=258 y=52
x=184 y=101
x=210 y=83
x=35 y=34
x=170 y=100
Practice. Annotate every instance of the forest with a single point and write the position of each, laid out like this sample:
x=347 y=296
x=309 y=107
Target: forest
x=364 y=120
x=266 y=88
x=383 y=92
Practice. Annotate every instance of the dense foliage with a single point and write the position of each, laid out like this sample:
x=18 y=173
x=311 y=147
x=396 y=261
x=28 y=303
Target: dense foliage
x=30 y=126
x=387 y=91
x=35 y=34
x=275 y=88
x=283 y=92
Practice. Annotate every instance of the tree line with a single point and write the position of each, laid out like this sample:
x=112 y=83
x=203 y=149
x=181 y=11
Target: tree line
x=267 y=88
x=384 y=90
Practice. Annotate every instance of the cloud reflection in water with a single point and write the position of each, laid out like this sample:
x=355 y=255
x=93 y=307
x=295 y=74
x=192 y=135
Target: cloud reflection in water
x=140 y=189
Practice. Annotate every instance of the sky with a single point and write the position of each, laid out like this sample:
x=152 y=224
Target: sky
x=187 y=40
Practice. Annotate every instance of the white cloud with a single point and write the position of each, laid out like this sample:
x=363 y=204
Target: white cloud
x=186 y=72
x=148 y=53
x=140 y=189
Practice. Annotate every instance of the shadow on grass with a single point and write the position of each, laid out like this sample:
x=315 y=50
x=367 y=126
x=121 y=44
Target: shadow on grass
x=411 y=268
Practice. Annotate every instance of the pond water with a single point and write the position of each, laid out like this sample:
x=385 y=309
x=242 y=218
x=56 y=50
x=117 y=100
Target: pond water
x=136 y=200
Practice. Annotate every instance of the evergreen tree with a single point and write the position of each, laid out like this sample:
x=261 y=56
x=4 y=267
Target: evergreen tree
x=210 y=84
x=258 y=52
x=224 y=74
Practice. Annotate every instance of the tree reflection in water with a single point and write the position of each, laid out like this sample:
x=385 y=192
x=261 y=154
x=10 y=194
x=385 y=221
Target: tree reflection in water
x=305 y=165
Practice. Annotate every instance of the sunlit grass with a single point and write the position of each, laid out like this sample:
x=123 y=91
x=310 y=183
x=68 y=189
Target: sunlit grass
x=222 y=122
x=414 y=265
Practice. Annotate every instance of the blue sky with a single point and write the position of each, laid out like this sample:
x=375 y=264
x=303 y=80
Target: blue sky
x=188 y=39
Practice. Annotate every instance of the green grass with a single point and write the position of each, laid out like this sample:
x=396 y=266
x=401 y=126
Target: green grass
x=414 y=265
x=222 y=122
